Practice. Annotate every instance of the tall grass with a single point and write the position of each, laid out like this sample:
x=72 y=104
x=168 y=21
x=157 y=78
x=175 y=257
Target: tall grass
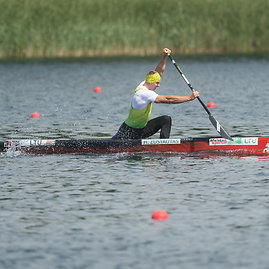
x=65 y=28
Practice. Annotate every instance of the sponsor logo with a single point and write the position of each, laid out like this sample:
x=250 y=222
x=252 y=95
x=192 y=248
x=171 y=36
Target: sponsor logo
x=236 y=141
x=29 y=143
x=160 y=141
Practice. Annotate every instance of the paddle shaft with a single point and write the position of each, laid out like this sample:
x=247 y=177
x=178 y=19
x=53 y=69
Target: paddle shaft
x=186 y=80
x=215 y=123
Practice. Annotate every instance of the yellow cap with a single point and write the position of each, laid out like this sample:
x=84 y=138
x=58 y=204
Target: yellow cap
x=153 y=78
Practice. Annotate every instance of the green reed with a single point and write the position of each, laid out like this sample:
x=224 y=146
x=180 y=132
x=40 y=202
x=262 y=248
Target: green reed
x=66 y=28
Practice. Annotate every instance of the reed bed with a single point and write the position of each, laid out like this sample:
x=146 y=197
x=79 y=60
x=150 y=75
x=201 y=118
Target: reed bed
x=83 y=28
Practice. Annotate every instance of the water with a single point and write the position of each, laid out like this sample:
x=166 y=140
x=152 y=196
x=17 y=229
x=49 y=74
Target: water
x=94 y=211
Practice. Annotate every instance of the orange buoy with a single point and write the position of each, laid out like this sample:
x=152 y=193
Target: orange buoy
x=211 y=104
x=159 y=215
x=97 y=89
x=35 y=115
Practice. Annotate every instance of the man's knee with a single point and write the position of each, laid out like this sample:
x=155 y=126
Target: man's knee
x=167 y=119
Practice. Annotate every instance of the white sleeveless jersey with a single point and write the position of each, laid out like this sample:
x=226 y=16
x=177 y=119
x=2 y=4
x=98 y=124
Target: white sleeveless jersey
x=143 y=96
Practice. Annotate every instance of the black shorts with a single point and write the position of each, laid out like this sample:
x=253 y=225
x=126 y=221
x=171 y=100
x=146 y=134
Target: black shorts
x=162 y=123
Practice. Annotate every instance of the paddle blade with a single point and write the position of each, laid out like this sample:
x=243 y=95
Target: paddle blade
x=219 y=128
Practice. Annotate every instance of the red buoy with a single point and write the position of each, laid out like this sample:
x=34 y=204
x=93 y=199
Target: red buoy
x=98 y=89
x=159 y=215
x=35 y=115
x=211 y=104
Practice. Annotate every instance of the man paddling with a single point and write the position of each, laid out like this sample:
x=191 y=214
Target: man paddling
x=138 y=125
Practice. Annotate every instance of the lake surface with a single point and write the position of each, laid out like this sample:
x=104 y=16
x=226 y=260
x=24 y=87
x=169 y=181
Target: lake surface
x=94 y=211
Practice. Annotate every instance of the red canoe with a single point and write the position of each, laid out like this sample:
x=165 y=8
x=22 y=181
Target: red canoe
x=239 y=146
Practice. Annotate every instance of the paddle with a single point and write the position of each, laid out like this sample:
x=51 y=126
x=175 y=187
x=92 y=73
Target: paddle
x=215 y=123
